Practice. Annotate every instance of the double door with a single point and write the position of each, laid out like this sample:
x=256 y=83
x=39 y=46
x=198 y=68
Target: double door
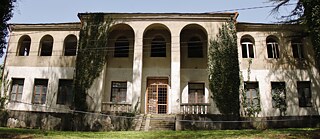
x=157 y=96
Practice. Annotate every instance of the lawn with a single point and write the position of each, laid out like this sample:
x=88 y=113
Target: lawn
x=298 y=133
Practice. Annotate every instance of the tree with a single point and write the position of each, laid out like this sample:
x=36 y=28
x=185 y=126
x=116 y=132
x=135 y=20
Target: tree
x=224 y=70
x=6 y=7
x=306 y=12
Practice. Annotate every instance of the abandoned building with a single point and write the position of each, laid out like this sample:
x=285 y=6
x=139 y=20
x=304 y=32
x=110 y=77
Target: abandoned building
x=157 y=63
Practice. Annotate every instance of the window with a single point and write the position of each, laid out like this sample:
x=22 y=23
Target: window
x=70 y=45
x=252 y=94
x=304 y=93
x=195 y=48
x=272 y=48
x=247 y=48
x=121 y=47
x=119 y=92
x=297 y=48
x=40 y=91
x=158 y=47
x=65 y=92
x=16 y=89
x=24 y=46
x=196 y=93
x=278 y=91
x=46 y=46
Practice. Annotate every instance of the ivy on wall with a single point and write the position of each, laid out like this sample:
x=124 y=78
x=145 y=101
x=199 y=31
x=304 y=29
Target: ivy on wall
x=92 y=55
x=224 y=79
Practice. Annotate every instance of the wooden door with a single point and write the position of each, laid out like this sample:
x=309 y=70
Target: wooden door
x=157 y=96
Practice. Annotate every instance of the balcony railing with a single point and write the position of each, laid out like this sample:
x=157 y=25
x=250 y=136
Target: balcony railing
x=194 y=108
x=116 y=107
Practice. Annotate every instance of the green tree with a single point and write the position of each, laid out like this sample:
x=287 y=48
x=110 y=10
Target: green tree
x=6 y=7
x=224 y=70
x=306 y=12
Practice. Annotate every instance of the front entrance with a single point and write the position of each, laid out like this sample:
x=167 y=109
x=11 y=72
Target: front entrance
x=157 y=95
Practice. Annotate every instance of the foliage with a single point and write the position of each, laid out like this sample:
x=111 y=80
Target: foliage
x=249 y=108
x=6 y=7
x=224 y=70
x=92 y=55
x=306 y=12
x=279 y=100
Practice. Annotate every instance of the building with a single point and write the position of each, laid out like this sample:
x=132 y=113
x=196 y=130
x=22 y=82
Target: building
x=157 y=64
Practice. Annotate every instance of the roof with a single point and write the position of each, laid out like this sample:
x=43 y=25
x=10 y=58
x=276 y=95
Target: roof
x=45 y=26
x=244 y=26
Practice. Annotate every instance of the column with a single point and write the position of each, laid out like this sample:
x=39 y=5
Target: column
x=175 y=71
x=137 y=70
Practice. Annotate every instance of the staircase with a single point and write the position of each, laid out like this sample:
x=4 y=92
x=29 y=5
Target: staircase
x=162 y=122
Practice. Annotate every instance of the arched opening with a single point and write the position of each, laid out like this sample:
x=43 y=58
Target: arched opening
x=70 y=45
x=24 y=46
x=46 y=46
x=247 y=46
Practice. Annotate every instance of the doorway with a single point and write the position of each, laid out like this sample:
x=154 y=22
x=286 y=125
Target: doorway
x=157 y=95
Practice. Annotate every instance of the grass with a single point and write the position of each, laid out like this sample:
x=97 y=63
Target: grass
x=299 y=133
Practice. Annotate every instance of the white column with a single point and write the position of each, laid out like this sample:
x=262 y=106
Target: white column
x=137 y=70
x=175 y=72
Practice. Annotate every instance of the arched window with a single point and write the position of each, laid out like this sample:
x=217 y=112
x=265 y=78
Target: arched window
x=195 y=48
x=70 y=45
x=297 y=48
x=272 y=48
x=121 y=47
x=24 y=46
x=247 y=48
x=46 y=45
x=158 y=47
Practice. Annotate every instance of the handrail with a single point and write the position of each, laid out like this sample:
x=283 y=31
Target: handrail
x=194 y=108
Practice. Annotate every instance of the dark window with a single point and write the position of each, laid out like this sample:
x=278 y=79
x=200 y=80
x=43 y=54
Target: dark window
x=40 y=91
x=304 y=93
x=46 y=46
x=297 y=48
x=24 y=46
x=65 y=92
x=16 y=89
x=278 y=91
x=121 y=47
x=196 y=93
x=195 y=48
x=252 y=94
x=119 y=92
x=70 y=45
x=158 y=47
x=247 y=48
x=272 y=48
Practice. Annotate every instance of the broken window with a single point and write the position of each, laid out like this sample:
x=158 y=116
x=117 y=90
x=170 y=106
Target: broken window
x=121 y=47
x=46 y=46
x=272 y=48
x=16 y=89
x=24 y=46
x=40 y=91
x=247 y=48
x=158 y=47
x=195 y=48
x=65 y=92
x=196 y=93
x=304 y=93
x=252 y=94
x=297 y=48
x=119 y=91
x=70 y=45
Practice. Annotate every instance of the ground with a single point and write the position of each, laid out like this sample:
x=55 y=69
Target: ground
x=289 y=133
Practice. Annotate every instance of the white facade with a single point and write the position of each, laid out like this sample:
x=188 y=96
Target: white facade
x=141 y=68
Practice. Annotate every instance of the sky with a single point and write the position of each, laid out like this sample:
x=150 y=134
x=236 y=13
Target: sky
x=62 y=11
x=57 y=11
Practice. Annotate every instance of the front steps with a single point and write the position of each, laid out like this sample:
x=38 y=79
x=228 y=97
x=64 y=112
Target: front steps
x=151 y=122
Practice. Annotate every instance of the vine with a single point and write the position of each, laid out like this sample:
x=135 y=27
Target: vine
x=224 y=79
x=92 y=55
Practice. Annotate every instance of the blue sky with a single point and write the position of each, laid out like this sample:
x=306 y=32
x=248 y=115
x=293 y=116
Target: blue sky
x=53 y=11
